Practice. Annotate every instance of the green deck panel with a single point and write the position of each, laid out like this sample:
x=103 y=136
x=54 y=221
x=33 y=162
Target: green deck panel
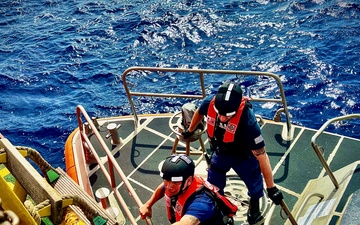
x=353 y=186
x=127 y=127
x=132 y=154
x=352 y=215
x=348 y=152
x=300 y=165
x=162 y=123
x=328 y=142
x=274 y=143
x=148 y=174
x=135 y=152
x=276 y=147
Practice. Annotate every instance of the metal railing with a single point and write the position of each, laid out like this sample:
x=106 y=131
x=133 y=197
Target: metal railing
x=112 y=164
x=201 y=73
x=318 y=148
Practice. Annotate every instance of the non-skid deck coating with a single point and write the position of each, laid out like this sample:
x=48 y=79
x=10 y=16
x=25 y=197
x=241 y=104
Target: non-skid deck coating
x=139 y=158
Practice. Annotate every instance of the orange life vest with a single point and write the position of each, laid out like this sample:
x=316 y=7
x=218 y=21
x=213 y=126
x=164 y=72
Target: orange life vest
x=198 y=184
x=231 y=126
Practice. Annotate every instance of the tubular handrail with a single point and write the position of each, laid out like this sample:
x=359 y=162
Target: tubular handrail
x=80 y=111
x=319 y=195
x=316 y=147
x=201 y=73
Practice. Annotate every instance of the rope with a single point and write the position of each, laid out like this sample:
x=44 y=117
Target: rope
x=35 y=156
x=33 y=212
x=68 y=217
x=44 y=166
x=88 y=211
x=71 y=218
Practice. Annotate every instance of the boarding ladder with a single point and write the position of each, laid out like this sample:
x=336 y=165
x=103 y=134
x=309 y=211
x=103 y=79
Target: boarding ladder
x=52 y=194
x=318 y=201
x=85 y=122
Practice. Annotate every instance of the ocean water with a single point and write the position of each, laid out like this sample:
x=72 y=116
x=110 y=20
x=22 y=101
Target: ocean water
x=57 y=54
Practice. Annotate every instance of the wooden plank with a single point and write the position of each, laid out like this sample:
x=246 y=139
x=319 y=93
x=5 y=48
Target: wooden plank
x=66 y=186
x=32 y=181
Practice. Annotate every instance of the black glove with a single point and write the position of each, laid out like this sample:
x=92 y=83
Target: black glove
x=186 y=134
x=275 y=195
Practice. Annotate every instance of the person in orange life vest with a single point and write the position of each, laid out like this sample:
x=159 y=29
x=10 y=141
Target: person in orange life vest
x=184 y=205
x=236 y=143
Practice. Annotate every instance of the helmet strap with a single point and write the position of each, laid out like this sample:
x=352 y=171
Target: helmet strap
x=182 y=189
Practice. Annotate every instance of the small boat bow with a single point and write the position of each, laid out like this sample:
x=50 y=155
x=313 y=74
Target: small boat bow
x=121 y=154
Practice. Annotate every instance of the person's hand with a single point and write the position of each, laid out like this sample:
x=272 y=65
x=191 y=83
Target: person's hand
x=145 y=211
x=275 y=195
x=186 y=133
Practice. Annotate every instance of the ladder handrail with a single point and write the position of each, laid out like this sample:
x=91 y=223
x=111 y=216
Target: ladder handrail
x=316 y=147
x=302 y=206
x=201 y=73
x=80 y=111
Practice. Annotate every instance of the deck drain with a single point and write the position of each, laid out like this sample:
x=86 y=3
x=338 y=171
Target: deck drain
x=236 y=191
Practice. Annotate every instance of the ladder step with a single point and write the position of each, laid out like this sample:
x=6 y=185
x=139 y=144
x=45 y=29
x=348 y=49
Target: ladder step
x=66 y=186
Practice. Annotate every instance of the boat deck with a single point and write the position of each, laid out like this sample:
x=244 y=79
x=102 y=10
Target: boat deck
x=294 y=163
x=316 y=178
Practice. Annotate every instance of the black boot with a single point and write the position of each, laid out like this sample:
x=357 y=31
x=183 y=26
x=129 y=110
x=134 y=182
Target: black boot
x=254 y=216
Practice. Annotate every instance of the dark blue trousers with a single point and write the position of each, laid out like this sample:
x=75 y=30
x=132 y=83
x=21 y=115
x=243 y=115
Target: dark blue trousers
x=247 y=169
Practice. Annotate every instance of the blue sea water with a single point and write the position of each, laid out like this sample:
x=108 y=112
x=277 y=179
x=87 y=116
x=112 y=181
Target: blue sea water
x=57 y=54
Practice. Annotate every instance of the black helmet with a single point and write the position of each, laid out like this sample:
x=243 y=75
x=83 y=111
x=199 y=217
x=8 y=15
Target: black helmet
x=177 y=168
x=228 y=99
